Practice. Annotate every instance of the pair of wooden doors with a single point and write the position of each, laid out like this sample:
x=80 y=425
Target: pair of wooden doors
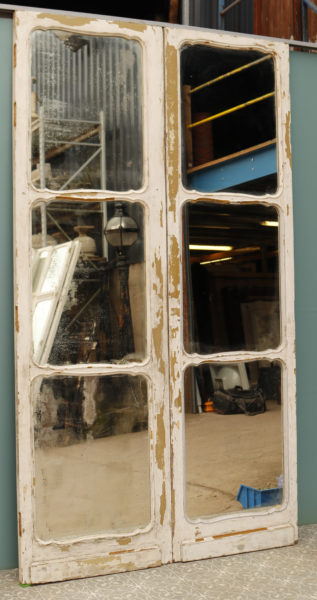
x=124 y=345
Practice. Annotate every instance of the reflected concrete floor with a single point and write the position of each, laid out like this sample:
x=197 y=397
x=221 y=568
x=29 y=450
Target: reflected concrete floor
x=104 y=484
x=225 y=451
x=288 y=573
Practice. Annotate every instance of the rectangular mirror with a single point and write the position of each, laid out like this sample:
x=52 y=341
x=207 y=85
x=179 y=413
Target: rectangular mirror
x=92 y=464
x=229 y=121
x=89 y=300
x=233 y=437
x=231 y=280
x=87 y=129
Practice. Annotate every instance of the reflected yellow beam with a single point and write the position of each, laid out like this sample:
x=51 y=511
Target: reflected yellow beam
x=229 y=74
x=231 y=110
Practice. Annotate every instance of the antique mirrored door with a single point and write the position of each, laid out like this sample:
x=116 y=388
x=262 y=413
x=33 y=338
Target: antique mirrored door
x=91 y=296
x=231 y=299
x=124 y=363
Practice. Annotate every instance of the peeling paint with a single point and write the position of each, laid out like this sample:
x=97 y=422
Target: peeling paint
x=157 y=332
x=20 y=524
x=121 y=551
x=69 y=21
x=79 y=197
x=14 y=56
x=17 y=325
x=174 y=264
x=159 y=455
x=157 y=340
x=163 y=503
x=288 y=138
x=173 y=498
x=160 y=444
x=172 y=124
x=139 y=27
x=178 y=401
x=222 y=535
x=159 y=274
x=124 y=541
x=173 y=362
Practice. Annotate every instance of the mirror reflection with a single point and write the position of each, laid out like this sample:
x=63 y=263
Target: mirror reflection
x=233 y=437
x=86 y=112
x=88 y=280
x=231 y=280
x=92 y=467
x=229 y=129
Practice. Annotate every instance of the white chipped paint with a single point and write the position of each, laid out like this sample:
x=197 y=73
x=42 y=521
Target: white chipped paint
x=283 y=518
x=103 y=553
x=80 y=557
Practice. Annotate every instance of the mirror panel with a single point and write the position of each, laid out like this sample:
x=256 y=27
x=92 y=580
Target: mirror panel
x=229 y=121
x=231 y=277
x=233 y=437
x=87 y=129
x=89 y=297
x=92 y=464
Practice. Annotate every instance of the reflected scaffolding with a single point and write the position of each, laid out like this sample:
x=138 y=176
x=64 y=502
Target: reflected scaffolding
x=86 y=112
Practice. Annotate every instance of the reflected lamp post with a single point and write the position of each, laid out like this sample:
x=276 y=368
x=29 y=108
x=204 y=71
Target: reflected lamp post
x=122 y=232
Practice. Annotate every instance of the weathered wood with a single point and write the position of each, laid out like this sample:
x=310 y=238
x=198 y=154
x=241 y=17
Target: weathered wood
x=277 y=19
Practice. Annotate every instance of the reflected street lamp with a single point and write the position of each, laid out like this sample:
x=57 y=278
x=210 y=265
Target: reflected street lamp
x=121 y=232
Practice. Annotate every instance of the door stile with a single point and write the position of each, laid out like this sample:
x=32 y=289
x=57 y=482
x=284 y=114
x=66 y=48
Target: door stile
x=239 y=531
x=105 y=552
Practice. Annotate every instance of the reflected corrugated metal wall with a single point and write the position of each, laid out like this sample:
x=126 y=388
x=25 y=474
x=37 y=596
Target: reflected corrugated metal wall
x=240 y=17
x=75 y=78
x=205 y=13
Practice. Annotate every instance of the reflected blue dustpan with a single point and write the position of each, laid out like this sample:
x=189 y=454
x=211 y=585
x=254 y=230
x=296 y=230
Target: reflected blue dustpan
x=251 y=497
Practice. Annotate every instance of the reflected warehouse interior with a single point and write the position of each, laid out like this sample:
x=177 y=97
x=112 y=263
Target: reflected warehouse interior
x=92 y=451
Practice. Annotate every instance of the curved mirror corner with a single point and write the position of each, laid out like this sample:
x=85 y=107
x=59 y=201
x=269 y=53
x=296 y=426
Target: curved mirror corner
x=87 y=113
x=233 y=437
x=88 y=288
x=91 y=455
x=228 y=120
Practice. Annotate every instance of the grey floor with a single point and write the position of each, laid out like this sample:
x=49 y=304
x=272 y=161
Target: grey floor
x=280 y=574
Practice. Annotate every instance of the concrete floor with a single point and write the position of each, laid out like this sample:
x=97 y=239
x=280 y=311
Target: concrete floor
x=104 y=484
x=280 y=574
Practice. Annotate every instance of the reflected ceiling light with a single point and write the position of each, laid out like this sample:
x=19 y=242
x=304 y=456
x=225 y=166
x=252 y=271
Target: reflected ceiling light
x=207 y=262
x=269 y=223
x=209 y=247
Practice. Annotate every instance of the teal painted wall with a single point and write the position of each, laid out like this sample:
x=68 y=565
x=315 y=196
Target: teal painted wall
x=8 y=536
x=304 y=141
x=304 y=151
